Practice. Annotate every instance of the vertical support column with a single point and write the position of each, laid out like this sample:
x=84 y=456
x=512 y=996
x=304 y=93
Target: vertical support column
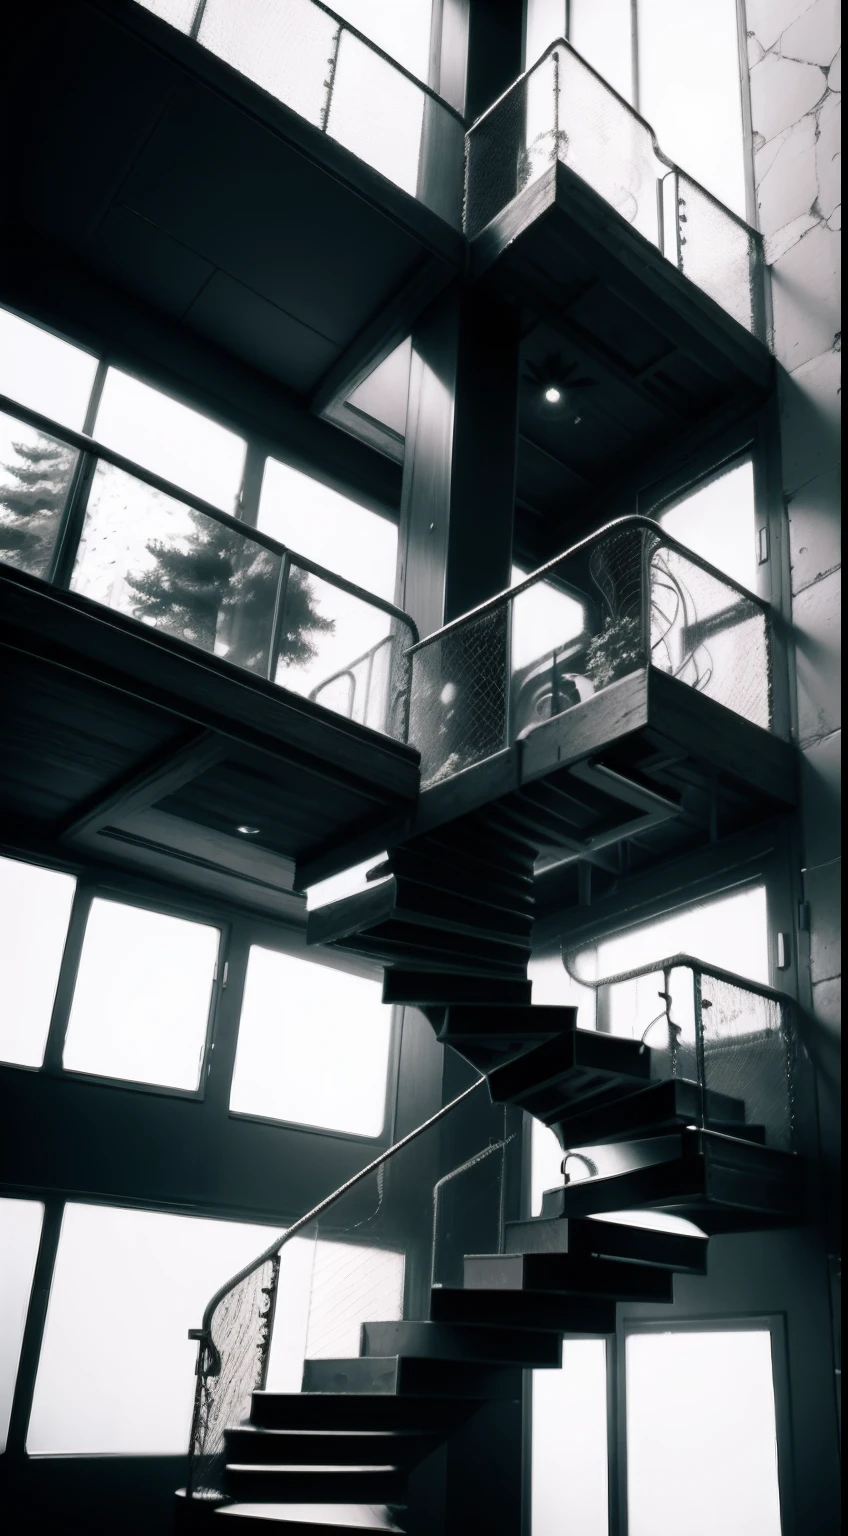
x=459 y=476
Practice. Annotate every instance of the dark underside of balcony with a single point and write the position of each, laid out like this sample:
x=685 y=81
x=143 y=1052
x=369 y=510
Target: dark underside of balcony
x=665 y=365
x=124 y=746
x=161 y=171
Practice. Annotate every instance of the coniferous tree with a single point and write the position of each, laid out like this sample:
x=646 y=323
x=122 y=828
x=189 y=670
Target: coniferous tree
x=219 y=584
x=33 y=492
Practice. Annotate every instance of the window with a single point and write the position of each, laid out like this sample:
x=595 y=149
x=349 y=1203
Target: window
x=603 y=35
x=569 y=1446
x=701 y=1434
x=313 y=1046
x=20 y=1232
x=329 y=528
x=45 y=373
x=35 y=909
x=171 y=440
x=717 y=520
x=36 y=474
x=141 y=1004
x=116 y=1373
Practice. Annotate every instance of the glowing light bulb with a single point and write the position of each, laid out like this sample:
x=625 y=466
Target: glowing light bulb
x=553 y=395
x=247 y=831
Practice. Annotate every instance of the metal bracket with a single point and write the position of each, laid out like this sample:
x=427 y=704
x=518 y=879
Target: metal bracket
x=655 y=810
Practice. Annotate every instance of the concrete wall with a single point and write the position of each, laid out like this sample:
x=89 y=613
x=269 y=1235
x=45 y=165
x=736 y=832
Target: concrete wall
x=795 y=65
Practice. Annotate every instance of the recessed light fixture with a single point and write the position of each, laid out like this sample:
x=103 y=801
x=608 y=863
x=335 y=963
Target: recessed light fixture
x=553 y=395
x=247 y=831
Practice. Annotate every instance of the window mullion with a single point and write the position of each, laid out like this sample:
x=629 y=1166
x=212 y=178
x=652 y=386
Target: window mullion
x=67 y=980
x=36 y=1319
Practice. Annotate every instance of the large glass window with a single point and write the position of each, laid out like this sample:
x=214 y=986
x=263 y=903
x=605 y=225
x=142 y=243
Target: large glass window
x=701 y=1434
x=20 y=1231
x=171 y=440
x=328 y=528
x=35 y=908
x=569 y=1447
x=717 y=520
x=42 y=371
x=142 y=1000
x=313 y=1046
x=36 y=474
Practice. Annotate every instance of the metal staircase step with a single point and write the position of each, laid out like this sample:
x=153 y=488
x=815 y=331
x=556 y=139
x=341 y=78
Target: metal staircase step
x=721 y=1183
x=311 y=1520
x=465 y=1024
x=569 y=1274
x=464 y=1344
x=486 y=883
x=578 y=1064
x=660 y=1106
x=418 y=988
x=513 y=1309
x=413 y=1377
x=586 y=1239
x=355 y=1410
x=398 y=943
x=337 y=1447
x=321 y=1484
x=400 y=901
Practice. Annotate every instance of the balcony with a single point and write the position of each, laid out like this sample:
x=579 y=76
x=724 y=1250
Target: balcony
x=643 y=293
x=280 y=188
x=612 y=710
x=183 y=694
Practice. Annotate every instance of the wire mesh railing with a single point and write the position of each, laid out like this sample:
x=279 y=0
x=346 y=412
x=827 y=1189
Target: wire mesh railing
x=626 y=598
x=311 y=1295
x=85 y=519
x=737 y=1040
x=562 y=111
x=315 y=62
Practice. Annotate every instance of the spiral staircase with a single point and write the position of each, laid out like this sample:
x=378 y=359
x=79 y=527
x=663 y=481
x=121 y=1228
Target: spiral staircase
x=450 y=920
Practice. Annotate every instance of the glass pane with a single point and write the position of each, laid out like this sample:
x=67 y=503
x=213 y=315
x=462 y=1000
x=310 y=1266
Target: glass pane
x=171 y=440
x=116 y=1373
x=690 y=93
x=20 y=1231
x=376 y=113
x=152 y=557
x=340 y=651
x=285 y=49
x=384 y=394
x=351 y=1284
x=547 y=626
x=401 y=30
x=569 y=1455
x=544 y=23
x=313 y=1046
x=329 y=528
x=602 y=34
x=718 y=522
x=710 y=1396
x=141 y=1003
x=180 y=13
x=35 y=476
x=35 y=908
x=47 y=374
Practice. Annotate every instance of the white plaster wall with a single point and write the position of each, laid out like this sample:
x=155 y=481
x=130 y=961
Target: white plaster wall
x=795 y=63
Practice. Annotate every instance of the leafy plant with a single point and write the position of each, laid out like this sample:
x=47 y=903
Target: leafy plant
x=617 y=650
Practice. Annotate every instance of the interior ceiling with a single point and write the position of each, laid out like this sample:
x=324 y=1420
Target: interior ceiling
x=156 y=182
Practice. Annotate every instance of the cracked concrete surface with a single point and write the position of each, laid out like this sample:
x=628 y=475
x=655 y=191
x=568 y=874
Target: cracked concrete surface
x=795 y=69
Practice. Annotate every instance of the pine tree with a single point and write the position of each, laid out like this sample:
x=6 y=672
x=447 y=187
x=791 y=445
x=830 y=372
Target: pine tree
x=219 y=583
x=33 y=492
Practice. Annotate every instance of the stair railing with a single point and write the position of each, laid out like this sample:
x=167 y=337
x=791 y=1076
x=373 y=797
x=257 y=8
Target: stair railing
x=734 y=1037
x=648 y=601
x=234 y=1337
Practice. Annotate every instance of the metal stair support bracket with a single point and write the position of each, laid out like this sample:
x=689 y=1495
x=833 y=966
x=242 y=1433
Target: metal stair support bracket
x=655 y=809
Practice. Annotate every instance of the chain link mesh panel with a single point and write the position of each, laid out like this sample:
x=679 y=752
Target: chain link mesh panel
x=721 y=255
x=749 y=1053
x=709 y=636
x=459 y=691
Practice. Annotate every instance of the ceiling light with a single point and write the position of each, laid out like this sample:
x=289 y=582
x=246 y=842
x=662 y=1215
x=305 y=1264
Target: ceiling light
x=553 y=395
x=247 y=831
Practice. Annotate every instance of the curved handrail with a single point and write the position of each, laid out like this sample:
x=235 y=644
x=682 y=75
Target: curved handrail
x=674 y=962
x=629 y=520
x=664 y=159
x=203 y=1333
x=85 y=444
